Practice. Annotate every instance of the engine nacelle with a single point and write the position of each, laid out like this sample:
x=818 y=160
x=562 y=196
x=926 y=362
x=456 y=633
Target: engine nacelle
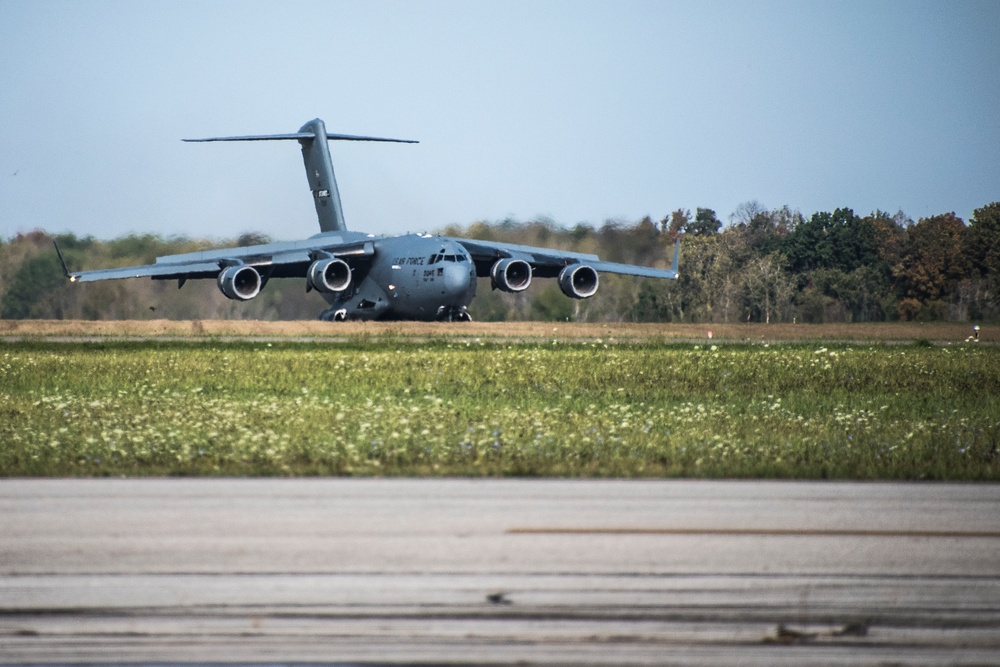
x=240 y=282
x=578 y=281
x=329 y=275
x=511 y=275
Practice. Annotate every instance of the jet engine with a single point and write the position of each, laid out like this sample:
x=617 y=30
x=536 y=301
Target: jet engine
x=578 y=281
x=240 y=282
x=329 y=275
x=511 y=275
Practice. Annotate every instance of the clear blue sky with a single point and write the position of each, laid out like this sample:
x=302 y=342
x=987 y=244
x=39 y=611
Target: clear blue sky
x=576 y=111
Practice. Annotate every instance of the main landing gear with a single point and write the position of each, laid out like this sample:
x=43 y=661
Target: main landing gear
x=453 y=314
x=334 y=315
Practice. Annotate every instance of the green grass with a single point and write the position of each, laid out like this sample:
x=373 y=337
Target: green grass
x=392 y=407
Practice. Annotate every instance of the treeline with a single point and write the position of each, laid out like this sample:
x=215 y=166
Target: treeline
x=764 y=266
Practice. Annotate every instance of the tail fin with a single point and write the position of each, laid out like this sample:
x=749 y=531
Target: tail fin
x=319 y=167
x=322 y=182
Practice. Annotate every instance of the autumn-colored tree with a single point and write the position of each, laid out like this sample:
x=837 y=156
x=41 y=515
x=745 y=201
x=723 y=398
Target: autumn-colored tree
x=674 y=225
x=889 y=234
x=932 y=263
x=764 y=231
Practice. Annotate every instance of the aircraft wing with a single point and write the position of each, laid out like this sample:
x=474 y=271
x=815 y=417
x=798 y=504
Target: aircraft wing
x=547 y=263
x=278 y=260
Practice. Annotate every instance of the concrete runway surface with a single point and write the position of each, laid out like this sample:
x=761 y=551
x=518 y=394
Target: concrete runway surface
x=397 y=571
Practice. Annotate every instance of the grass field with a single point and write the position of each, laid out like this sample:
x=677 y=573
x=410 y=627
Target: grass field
x=396 y=404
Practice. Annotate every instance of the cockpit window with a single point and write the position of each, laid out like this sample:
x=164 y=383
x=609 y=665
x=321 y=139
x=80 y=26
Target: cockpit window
x=441 y=257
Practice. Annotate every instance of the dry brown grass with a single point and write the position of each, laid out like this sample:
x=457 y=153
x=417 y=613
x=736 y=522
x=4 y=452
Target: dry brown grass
x=517 y=330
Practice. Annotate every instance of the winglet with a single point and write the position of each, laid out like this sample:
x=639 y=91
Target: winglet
x=62 y=261
x=677 y=256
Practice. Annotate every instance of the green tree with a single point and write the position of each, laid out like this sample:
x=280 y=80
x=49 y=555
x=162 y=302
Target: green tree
x=830 y=295
x=36 y=289
x=550 y=304
x=705 y=223
x=644 y=240
x=709 y=288
x=982 y=241
x=688 y=298
x=982 y=252
x=810 y=247
x=838 y=240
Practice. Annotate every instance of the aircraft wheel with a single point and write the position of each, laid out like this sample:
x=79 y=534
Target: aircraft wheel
x=331 y=315
x=457 y=315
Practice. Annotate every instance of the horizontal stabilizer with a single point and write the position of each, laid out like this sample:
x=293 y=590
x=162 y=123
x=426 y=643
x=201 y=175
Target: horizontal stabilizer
x=295 y=136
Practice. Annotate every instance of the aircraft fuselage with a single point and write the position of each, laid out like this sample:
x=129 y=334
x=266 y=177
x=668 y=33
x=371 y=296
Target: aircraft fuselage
x=410 y=277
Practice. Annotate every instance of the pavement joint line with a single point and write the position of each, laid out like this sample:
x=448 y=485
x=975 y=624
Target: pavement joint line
x=756 y=532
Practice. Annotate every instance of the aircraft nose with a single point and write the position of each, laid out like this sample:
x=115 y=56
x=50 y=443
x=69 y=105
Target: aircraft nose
x=456 y=279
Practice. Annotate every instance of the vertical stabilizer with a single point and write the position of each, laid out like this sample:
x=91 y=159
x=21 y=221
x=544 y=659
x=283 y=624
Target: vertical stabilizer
x=319 y=168
x=322 y=182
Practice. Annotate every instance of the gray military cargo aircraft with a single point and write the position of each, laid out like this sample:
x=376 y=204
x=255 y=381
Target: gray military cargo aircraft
x=362 y=276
